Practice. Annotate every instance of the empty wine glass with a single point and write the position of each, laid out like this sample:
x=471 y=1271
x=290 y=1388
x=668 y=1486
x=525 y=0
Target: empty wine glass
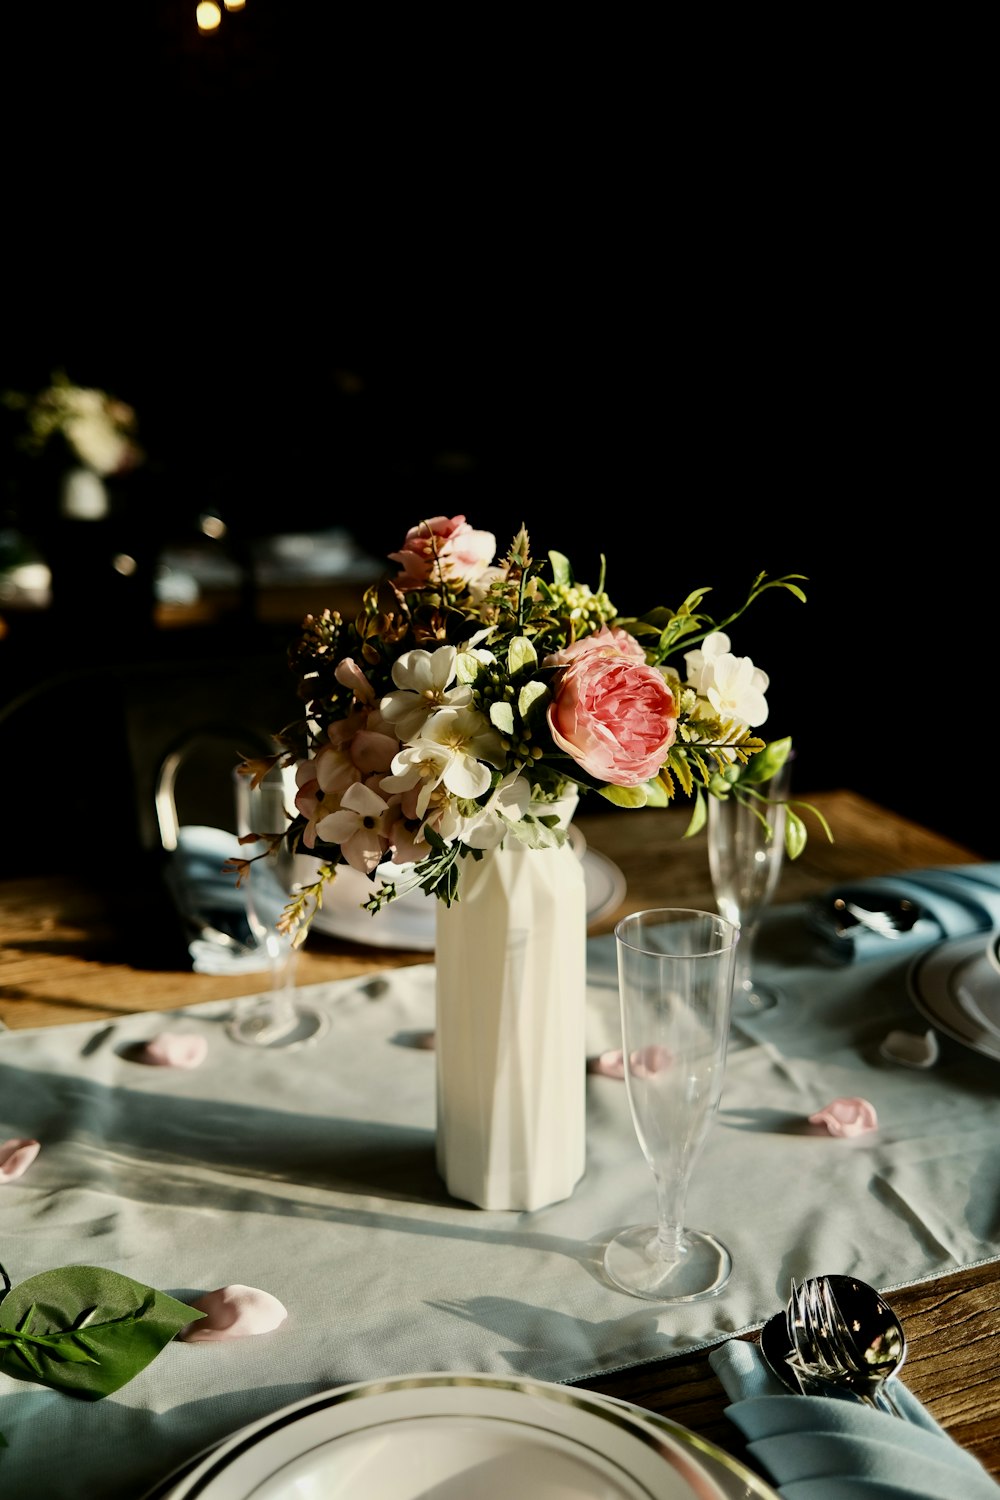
x=675 y=985
x=278 y=1018
x=746 y=843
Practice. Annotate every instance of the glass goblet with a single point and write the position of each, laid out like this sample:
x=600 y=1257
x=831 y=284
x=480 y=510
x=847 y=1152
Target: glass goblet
x=675 y=986
x=746 y=845
x=277 y=1018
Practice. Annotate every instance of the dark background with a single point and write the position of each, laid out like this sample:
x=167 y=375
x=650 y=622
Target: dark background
x=703 y=325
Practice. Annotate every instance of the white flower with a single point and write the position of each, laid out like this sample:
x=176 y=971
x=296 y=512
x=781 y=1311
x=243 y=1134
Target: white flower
x=732 y=684
x=486 y=828
x=359 y=826
x=738 y=689
x=701 y=664
x=468 y=739
x=422 y=761
x=424 y=679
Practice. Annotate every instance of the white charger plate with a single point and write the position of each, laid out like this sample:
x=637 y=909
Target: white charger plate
x=956 y=986
x=464 y=1437
x=409 y=921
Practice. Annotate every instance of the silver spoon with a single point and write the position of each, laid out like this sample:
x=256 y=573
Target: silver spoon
x=874 y=1332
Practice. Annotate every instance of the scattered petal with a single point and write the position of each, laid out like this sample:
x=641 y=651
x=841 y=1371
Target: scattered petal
x=609 y=1064
x=912 y=1049
x=846 y=1117
x=234 y=1312
x=649 y=1060
x=16 y=1156
x=174 y=1049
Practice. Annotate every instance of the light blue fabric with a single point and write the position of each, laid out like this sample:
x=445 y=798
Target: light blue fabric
x=312 y=1175
x=954 y=901
x=814 y=1447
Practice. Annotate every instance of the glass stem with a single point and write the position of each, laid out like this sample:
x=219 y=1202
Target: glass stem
x=671 y=1193
x=743 y=977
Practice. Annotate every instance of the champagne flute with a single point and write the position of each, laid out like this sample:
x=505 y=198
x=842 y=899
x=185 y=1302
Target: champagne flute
x=278 y=1018
x=746 y=843
x=675 y=985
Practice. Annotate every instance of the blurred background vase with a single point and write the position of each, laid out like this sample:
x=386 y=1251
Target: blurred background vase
x=510 y=1043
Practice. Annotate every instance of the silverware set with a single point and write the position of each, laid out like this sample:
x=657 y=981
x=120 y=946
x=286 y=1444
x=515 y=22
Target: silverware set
x=838 y=1337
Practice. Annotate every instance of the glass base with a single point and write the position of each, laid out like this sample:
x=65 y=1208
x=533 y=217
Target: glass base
x=257 y=1027
x=634 y=1263
x=754 y=1000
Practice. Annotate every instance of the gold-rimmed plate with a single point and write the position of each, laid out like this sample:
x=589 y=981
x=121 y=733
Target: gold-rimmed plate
x=458 y=1435
x=956 y=986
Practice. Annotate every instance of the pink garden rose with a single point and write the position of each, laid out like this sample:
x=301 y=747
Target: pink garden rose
x=445 y=551
x=611 y=712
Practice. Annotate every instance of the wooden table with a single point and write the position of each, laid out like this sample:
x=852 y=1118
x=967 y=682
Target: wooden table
x=78 y=949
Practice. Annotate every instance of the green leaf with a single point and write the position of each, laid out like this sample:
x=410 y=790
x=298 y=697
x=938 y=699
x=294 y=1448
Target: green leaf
x=625 y=796
x=562 y=573
x=521 y=656
x=795 y=834
x=767 y=761
x=502 y=717
x=531 y=699
x=699 y=815
x=86 y=1330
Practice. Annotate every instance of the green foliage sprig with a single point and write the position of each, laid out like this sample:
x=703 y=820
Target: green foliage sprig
x=85 y=1330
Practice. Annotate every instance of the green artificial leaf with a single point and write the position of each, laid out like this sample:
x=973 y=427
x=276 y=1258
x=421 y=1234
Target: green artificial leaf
x=562 y=573
x=625 y=796
x=768 y=761
x=795 y=834
x=502 y=717
x=86 y=1330
x=521 y=656
x=530 y=700
x=699 y=815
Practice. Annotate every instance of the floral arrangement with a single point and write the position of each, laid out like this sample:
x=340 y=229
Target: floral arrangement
x=99 y=430
x=469 y=696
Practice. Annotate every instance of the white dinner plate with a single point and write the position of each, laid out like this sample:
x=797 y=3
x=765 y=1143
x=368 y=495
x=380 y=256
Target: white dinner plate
x=994 y=949
x=409 y=921
x=464 y=1437
x=956 y=986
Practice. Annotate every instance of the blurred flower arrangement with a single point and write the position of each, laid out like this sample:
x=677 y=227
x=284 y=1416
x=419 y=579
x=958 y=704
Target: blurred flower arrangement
x=98 y=429
x=469 y=696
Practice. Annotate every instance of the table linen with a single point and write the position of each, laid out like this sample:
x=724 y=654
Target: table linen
x=311 y=1175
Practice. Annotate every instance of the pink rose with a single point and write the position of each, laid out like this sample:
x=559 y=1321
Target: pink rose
x=609 y=642
x=610 y=711
x=443 y=551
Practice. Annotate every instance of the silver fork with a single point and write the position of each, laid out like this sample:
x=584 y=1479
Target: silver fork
x=824 y=1347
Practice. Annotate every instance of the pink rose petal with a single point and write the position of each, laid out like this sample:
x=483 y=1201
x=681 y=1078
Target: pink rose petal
x=649 y=1060
x=16 y=1156
x=234 y=1312
x=846 y=1117
x=175 y=1049
x=610 y=1064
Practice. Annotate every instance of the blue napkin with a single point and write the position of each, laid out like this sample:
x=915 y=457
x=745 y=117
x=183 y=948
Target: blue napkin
x=952 y=900
x=822 y=1448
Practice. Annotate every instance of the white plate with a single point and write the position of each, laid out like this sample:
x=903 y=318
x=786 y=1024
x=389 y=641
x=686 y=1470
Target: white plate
x=464 y=1437
x=956 y=987
x=994 y=950
x=409 y=921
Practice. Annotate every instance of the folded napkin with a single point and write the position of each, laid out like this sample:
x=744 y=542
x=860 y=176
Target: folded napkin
x=951 y=901
x=823 y=1448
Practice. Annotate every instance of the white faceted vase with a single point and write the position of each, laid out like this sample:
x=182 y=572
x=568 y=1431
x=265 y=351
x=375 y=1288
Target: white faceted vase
x=510 y=1034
